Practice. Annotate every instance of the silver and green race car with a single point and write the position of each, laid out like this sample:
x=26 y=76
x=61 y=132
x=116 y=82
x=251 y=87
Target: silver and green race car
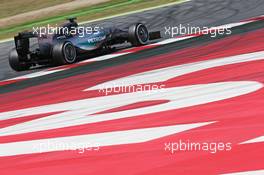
x=66 y=47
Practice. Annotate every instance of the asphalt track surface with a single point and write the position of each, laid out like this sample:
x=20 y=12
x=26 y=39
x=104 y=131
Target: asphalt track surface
x=214 y=94
x=196 y=13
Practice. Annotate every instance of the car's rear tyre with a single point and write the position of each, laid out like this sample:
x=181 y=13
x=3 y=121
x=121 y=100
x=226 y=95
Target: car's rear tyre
x=138 y=34
x=64 y=53
x=15 y=62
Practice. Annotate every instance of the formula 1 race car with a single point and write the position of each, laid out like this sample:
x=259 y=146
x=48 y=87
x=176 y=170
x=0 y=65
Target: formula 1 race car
x=65 y=47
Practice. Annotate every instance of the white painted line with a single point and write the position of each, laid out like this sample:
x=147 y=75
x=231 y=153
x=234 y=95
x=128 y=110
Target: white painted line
x=255 y=140
x=6 y=40
x=173 y=40
x=54 y=70
x=94 y=140
x=104 y=57
x=36 y=74
x=231 y=25
x=164 y=74
x=256 y=172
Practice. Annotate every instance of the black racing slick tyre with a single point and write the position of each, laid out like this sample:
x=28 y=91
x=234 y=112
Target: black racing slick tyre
x=63 y=53
x=138 y=34
x=15 y=62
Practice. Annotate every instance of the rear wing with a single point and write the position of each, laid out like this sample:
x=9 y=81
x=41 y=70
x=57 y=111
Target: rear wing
x=22 y=42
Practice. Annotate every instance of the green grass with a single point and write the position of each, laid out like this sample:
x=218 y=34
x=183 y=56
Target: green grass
x=113 y=7
x=14 y=7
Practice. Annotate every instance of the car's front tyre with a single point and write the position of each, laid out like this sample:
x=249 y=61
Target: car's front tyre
x=64 y=53
x=138 y=34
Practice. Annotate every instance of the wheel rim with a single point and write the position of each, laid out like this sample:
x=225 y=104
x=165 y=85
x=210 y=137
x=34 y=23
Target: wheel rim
x=143 y=34
x=69 y=53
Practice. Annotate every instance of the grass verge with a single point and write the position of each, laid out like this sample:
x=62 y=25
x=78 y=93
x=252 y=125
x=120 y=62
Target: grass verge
x=15 y=7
